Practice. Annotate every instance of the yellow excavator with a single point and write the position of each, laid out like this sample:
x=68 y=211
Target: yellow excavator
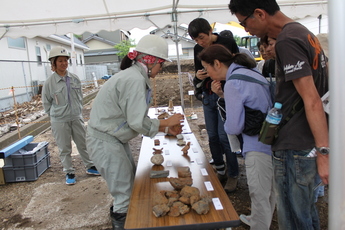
x=249 y=42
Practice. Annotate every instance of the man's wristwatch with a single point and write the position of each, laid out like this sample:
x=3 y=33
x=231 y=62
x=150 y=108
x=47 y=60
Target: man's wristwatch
x=323 y=150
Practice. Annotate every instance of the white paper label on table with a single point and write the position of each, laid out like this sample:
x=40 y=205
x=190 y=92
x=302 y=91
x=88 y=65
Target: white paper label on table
x=209 y=186
x=166 y=152
x=194 y=116
x=198 y=161
x=169 y=163
x=191 y=92
x=217 y=204
x=204 y=172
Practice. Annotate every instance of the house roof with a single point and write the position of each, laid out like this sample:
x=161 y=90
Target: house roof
x=98 y=38
x=102 y=52
x=67 y=40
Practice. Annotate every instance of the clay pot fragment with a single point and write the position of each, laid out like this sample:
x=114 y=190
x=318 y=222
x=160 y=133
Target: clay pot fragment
x=184 y=172
x=179 y=183
x=157 y=151
x=171 y=194
x=157 y=159
x=202 y=206
x=188 y=191
x=159 y=198
x=194 y=199
x=179 y=137
x=176 y=203
x=171 y=106
x=181 y=143
x=186 y=148
x=163 y=116
x=160 y=210
x=157 y=142
x=178 y=208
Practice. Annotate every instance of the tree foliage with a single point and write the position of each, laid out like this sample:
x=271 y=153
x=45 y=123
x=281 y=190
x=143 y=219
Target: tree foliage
x=238 y=40
x=124 y=46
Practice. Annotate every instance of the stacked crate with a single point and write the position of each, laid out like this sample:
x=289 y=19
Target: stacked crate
x=26 y=163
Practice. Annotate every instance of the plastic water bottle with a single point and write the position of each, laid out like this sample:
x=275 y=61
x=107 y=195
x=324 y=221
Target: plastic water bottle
x=269 y=128
x=274 y=116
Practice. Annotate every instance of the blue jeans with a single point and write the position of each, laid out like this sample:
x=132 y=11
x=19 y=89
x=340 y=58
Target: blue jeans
x=217 y=137
x=319 y=190
x=294 y=176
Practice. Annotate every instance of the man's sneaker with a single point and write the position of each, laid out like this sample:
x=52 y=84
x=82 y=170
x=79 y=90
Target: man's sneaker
x=117 y=219
x=222 y=178
x=239 y=153
x=70 y=179
x=93 y=171
x=245 y=219
x=231 y=184
x=211 y=162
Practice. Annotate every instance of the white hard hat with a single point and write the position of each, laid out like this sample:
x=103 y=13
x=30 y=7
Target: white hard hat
x=153 y=45
x=58 y=51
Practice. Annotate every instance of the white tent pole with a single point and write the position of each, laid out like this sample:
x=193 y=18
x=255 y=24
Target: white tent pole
x=337 y=121
x=26 y=86
x=179 y=68
x=174 y=19
x=73 y=55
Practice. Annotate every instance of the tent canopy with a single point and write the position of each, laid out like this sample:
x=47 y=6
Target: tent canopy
x=43 y=18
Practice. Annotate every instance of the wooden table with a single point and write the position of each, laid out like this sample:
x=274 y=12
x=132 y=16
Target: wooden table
x=140 y=215
x=153 y=113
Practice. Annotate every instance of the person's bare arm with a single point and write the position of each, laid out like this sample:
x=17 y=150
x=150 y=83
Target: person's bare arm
x=173 y=123
x=317 y=120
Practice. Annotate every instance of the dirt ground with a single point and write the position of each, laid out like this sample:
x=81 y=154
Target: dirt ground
x=48 y=203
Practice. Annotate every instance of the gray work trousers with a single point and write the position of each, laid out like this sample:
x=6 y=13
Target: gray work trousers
x=64 y=133
x=115 y=162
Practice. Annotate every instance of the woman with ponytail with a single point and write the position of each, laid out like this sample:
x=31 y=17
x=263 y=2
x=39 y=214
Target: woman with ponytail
x=221 y=64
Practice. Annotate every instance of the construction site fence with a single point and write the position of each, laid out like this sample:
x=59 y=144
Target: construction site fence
x=15 y=111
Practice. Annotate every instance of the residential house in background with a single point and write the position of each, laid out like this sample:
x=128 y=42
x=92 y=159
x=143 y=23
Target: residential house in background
x=24 y=65
x=185 y=43
x=102 y=52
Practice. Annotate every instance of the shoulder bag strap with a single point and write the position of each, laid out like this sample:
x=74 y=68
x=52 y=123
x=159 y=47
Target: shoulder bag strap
x=246 y=78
